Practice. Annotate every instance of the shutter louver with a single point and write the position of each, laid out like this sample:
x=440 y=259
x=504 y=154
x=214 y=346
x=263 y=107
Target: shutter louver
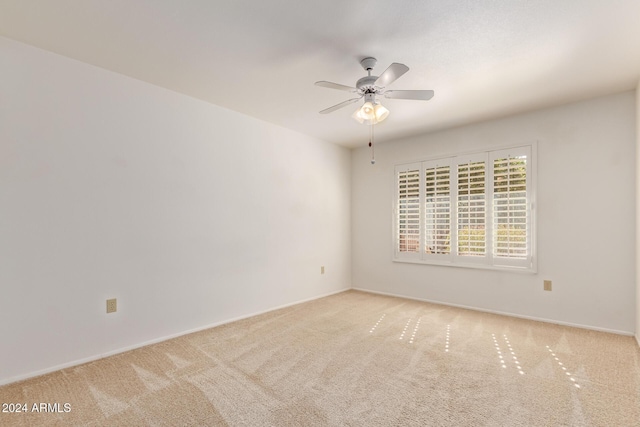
x=471 y=209
x=438 y=210
x=409 y=211
x=510 y=219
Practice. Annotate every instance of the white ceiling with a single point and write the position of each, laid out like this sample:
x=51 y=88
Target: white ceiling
x=484 y=59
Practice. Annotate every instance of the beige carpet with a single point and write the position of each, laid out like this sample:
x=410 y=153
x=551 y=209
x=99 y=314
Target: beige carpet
x=353 y=359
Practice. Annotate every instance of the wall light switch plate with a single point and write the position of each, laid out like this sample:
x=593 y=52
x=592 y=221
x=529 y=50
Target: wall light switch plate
x=547 y=285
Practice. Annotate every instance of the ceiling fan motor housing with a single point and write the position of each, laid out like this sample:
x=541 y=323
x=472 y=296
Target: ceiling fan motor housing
x=366 y=84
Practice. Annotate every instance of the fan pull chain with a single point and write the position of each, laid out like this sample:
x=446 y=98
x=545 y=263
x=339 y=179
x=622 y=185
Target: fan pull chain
x=373 y=156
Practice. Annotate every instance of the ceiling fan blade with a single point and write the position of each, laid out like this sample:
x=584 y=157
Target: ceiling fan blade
x=336 y=86
x=391 y=74
x=338 y=106
x=421 y=95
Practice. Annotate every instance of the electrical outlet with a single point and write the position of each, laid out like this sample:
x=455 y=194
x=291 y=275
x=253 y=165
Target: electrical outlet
x=322 y=269
x=547 y=285
x=112 y=305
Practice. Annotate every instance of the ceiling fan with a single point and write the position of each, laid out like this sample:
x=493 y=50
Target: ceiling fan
x=368 y=87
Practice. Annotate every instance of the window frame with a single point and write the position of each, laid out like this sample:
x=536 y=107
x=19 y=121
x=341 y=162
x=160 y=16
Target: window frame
x=490 y=260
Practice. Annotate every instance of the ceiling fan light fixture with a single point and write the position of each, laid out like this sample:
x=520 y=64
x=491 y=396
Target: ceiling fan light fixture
x=356 y=116
x=380 y=112
x=367 y=109
x=370 y=113
x=364 y=113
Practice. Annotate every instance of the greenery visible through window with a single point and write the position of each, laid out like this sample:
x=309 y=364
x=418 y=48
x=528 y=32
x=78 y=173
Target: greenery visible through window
x=467 y=210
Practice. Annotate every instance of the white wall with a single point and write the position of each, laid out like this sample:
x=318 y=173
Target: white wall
x=638 y=213
x=187 y=213
x=586 y=218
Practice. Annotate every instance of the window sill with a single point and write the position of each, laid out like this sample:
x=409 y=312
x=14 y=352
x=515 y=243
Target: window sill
x=512 y=269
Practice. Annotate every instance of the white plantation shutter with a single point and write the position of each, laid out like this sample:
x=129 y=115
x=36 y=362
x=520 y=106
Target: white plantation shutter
x=437 y=207
x=472 y=207
x=511 y=207
x=408 y=211
x=470 y=210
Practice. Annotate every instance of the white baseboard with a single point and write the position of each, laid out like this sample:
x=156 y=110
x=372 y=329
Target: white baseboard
x=503 y=313
x=155 y=341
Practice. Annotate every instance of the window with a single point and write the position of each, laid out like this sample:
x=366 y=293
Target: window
x=438 y=209
x=409 y=211
x=468 y=210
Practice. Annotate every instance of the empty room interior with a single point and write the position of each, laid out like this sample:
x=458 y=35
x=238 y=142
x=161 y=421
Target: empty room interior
x=334 y=213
